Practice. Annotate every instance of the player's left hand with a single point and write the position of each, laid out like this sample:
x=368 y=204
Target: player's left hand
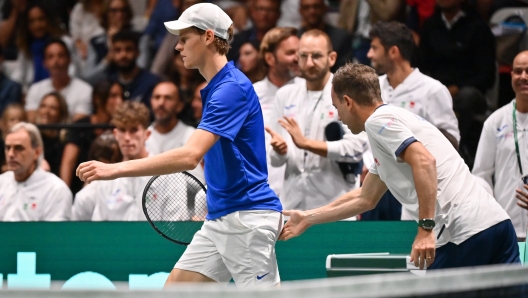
x=94 y=170
x=423 y=249
x=294 y=130
x=522 y=197
x=295 y=226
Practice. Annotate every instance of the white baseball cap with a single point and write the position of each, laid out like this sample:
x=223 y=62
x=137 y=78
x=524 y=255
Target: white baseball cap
x=204 y=16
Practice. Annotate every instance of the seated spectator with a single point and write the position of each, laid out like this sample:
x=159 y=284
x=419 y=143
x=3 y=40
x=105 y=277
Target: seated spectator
x=84 y=24
x=104 y=149
x=76 y=92
x=197 y=104
x=13 y=114
x=248 y=61
x=28 y=193
x=37 y=27
x=10 y=91
x=164 y=11
x=120 y=199
x=458 y=49
x=264 y=14
x=52 y=110
x=116 y=16
x=107 y=96
x=168 y=132
x=313 y=13
x=137 y=83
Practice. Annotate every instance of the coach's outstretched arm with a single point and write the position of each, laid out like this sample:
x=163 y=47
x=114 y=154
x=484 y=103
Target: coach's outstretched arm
x=176 y=160
x=350 y=204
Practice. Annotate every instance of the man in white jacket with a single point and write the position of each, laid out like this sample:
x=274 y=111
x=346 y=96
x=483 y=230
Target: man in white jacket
x=498 y=161
x=119 y=199
x=302 y=112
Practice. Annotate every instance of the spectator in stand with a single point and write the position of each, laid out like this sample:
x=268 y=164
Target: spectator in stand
x=76 y=92
x=52 y=110
x=313 y=13
x=84 y=24
x=13 y=114
x=10 y=91
x=164 y=11
x=9 y=19
x=137 y=83
x=197 y=104
x=120 y=199
x=248 y=61
x=458 y=49
x=279 y=56
x=264 y=14
x=37 y=27
x=28 y=193
x=106 y=97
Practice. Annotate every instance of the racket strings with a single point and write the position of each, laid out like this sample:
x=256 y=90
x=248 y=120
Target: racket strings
x=175 y=205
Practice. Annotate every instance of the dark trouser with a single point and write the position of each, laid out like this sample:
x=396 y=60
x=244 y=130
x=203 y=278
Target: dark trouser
x=467 y=103
x=388 y=208
x=495 y=245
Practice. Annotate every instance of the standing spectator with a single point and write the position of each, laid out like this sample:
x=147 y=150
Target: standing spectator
x=27 y=192
x=10 y=91
x=458 y=49
x=13 y=114
x=501 y=158
x=9 y=19
x=164 y=11
x=278 y=53
x=84 y=24
x=77 y=93
x=137 y=83
x=52 y=110
x=313 y=13
x=302 y=112
x=37 y=27
x=116 y=16
x=107 y=96
x=264 y=15
x=248 y=61
x=120 y=199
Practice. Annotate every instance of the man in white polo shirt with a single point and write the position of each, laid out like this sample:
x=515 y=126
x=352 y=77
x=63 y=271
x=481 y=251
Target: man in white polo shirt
x=78 y=94
x=459 y=223
x=119 y=199
x=499 y=161
x=278 y=51
x=28 y=193
x=302 y=112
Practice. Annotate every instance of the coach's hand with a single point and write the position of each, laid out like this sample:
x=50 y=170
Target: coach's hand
x=295 y=226
x=277 y=142
x=295 y=132
x=423 y=249
x=94 y=170
x=522 y=197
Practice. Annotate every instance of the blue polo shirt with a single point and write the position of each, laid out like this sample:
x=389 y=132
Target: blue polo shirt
x=235 y=167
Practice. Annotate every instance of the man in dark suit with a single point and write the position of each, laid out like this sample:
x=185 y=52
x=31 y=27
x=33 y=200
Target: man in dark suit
x=312 y=13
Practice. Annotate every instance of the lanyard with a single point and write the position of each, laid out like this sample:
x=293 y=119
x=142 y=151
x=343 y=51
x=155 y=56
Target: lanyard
x=514 y=116
x=307 y=125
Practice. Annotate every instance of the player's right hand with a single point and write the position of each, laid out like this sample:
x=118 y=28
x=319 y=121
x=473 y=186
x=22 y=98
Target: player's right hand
x=94 y=170
x=277 y=142
x=295 y=226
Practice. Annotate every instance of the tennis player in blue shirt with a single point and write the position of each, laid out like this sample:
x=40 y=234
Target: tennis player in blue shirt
x=237 y=240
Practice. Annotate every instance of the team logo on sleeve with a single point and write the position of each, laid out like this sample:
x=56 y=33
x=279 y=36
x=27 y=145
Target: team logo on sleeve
x=388 y=124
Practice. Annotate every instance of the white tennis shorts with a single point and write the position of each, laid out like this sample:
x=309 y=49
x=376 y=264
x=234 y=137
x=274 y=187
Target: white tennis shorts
x=240 y=245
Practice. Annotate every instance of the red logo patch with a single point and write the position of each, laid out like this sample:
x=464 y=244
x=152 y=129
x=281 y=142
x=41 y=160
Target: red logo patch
x=34 y=206
x=331 y=114
x=377 y=162
x=411 y=104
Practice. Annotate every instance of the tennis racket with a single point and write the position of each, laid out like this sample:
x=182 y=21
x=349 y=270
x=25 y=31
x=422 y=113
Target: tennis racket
x=175 y=206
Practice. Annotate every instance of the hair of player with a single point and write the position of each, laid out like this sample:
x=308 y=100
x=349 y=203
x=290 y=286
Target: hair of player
x=131 y=113
x=359 y=82
x=272 y=39
x=318 y=33
x=105 y=147
x=63 y=106
x=60 y=42
x=394 y=34
x=34 y=137
x=222 y=45
x=126 y=36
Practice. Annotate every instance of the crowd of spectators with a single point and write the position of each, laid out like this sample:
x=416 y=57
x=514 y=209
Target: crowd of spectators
x=77 y=69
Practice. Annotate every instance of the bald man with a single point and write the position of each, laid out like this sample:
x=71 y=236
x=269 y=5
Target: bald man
x=498 y=161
